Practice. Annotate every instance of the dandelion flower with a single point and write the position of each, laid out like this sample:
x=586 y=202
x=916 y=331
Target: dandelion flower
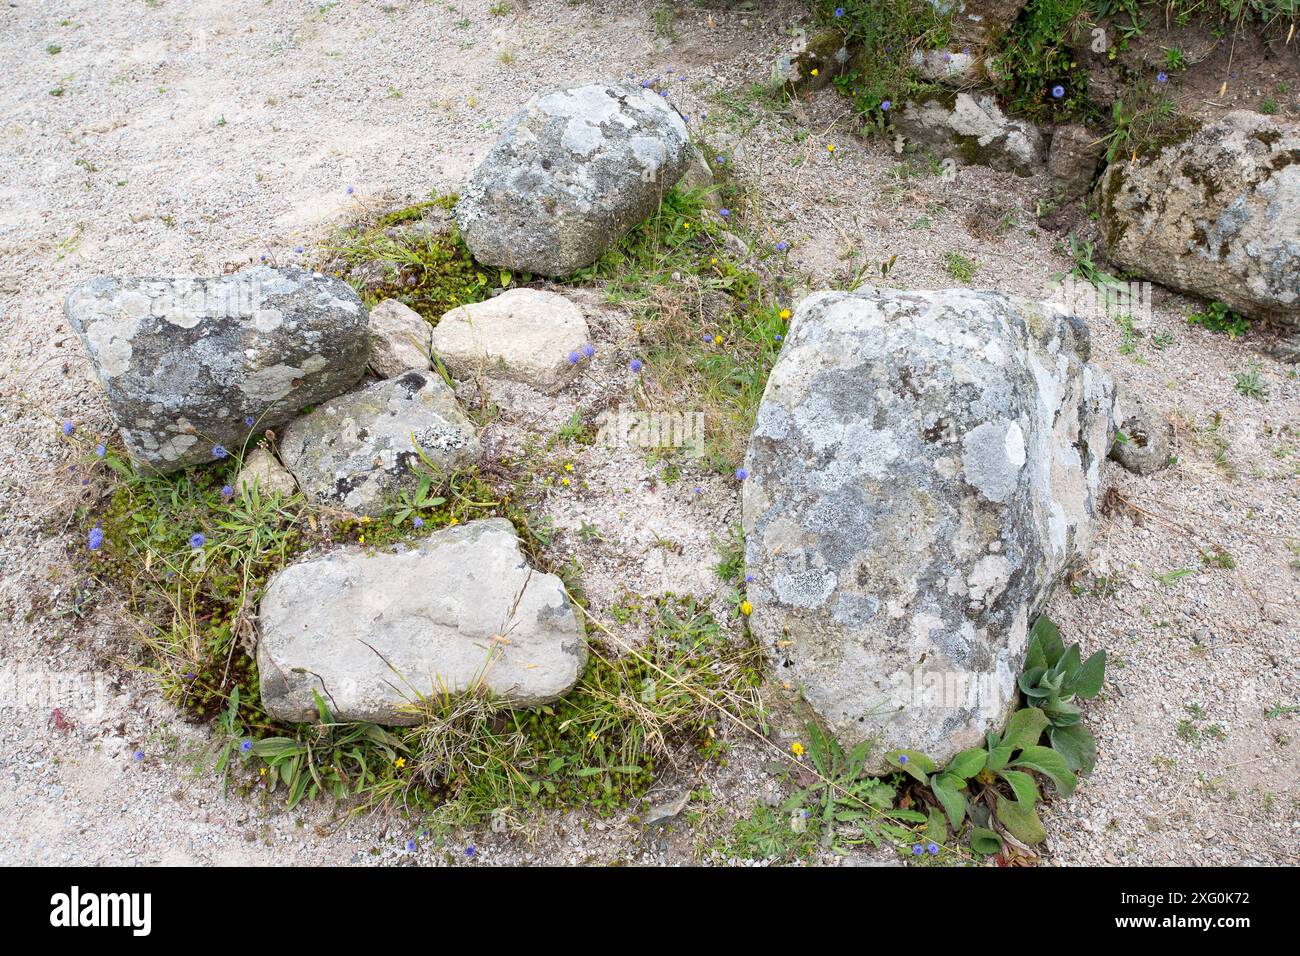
x=565 y=482
x=746 y=608
x=399 y=763
x=796 y=748
x=717 y=340
x=785 y=314
x=568 y=466
x=815 y=71
x=830 y=147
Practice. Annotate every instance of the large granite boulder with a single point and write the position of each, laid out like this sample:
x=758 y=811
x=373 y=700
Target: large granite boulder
x=521 y=335
x=1217 y=214
x=573 y=171
x=356 y=451
x=192 y=366
x=923 y=469
x=374 y=632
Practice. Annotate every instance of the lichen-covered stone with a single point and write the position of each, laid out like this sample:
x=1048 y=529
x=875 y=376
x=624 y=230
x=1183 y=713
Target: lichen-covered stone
x=922 y=470
x=190 y=365
x=399 y=339
x=573 y=171
x=972 y=130
x=373 y=632
x=359 y=449
x=1217 y=214
x=521 y=335
x=980 y=21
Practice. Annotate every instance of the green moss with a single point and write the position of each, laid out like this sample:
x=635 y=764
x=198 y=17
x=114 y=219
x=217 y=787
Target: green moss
x=416 y=256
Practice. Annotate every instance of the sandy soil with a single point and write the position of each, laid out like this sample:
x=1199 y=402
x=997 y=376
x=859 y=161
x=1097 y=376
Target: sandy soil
x=187 y=137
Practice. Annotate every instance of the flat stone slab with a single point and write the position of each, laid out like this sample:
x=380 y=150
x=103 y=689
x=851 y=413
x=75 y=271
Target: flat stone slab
x=356 y=451
x=371 y=632
x=523 y=335
x=192 y=367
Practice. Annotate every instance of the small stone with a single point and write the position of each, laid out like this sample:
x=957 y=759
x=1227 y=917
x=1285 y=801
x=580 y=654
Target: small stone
x=1145 y=445
x=1072 y=159
x=263 y=473
x=399 y=339
x=459 y=612
x=521 y=335
x=573 y=171
x=356 y=451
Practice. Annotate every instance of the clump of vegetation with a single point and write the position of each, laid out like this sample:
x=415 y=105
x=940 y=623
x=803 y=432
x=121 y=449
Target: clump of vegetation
x=416 y=256
x=1217 y=317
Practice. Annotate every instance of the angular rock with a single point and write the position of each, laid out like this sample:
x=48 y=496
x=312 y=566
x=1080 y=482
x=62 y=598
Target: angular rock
x=521 y=335
x=1217 y=214
x=980 y=21
x=699 y=178
x=573 y=171
x=1072 y=159
x=1144 y=448
x=971 y=129
x=399 y=339
x=923 y=469
x=192 y=364
x=262 y=472
x=355 y=451
x=370 y=632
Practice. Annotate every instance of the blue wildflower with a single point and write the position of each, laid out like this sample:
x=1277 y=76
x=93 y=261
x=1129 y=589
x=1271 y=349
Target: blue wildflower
x=724 y=213
x=418 y=522
x=1162 y=77
x=350 y=190
x=100 y=451
x=1058 y=91
x=779 y=337
x=782 y=246
x=227 y=492
x=95 y=540
x=219 y=452
x=574 y=358
x=741 y=474
x=298 y=249
x=917 y=850
x=902 y=758
x=932 y=849
x=69 y=428
x=248 y=420
x=245 y=746
x=138 y=755
x=589 y=350
x=411 y=846
x=839 y=12
x=635 y=365
x=885 y=105
x=197 y=540
x=470 y=850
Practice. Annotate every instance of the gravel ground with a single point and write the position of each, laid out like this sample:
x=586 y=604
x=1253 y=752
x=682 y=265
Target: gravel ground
x=131 y=146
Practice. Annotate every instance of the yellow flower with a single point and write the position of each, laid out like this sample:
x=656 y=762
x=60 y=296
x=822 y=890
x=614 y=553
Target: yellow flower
x=796 y=748
x=717 y=340
x=399 y=763
x=686 y=225
x=591 y=735
x=568 y=466
x=814 y=71
x=785 y=313
x=746 y=608
x=713 y=261
x=565 y=482
x=830 y=147
x=453 y=521
x=262 y=772
x=362 y=539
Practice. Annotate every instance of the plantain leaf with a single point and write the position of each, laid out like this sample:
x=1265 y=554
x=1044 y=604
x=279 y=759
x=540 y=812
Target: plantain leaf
x=1024 y=728
x=947 y=788
x=1045 y=634
x=1087 y=683
x=985 y=841
x=1023 y=784
x=968 y=763
x=1076 y=745
x=1050 y=764
x=1021 y=821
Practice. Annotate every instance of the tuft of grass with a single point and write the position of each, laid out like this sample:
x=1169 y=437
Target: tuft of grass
x=959 y=267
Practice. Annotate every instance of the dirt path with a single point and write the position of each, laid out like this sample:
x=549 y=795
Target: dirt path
x=180 y=137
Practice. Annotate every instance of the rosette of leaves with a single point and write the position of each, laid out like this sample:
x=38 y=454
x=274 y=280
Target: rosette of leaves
x=1054 y=676
x=997 y=779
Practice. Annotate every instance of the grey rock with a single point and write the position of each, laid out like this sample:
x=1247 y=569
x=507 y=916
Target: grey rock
x=1147 y=436
x=399 y=339
x=980 y=21
x=972 y=130
x=521 y=335
x=922 y=470
x=949 y=68
x=372 y=632
x=573 y=171
x=699 y=178
x=1217 y=214
x=355 y=451
x=260 y=471
x=1072 y=159
x=191 y=364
